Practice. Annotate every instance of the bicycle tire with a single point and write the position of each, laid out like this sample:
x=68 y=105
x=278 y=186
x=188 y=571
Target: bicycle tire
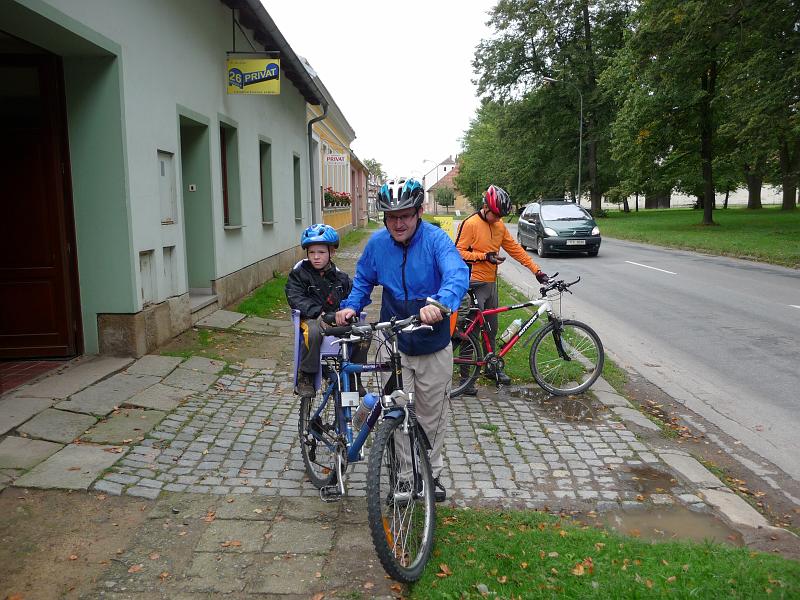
x=566 y=377
x=467 y=353
x=402 y=523
x=318 y=447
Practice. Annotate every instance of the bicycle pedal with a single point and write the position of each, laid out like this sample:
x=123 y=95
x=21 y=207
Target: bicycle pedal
x=330 y=493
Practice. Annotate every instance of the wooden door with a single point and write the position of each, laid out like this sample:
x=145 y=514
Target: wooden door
x=39 y=307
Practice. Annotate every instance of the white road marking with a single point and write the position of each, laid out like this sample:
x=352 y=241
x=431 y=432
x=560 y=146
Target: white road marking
x=649 y=267
x=794 y=306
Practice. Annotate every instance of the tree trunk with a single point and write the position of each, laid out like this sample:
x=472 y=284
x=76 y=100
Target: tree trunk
x=725 y=203
x=637 y=201
x=625 y=207
x=708 y=82
x=754 y=178
x=789 y=160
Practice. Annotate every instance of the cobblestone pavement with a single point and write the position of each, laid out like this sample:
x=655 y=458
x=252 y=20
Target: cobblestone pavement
x=240 y=437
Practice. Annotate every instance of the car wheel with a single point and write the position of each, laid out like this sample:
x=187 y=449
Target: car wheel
x=540 y=248
x=594 y=252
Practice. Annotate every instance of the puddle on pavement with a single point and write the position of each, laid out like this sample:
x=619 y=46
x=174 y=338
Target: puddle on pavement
x=570 y=408
x=669 y=523
x=647 y=480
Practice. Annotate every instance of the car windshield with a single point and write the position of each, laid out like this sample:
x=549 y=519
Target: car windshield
x=564 y=212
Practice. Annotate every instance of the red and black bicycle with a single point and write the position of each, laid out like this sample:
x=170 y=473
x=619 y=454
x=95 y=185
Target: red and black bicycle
x=566 y=355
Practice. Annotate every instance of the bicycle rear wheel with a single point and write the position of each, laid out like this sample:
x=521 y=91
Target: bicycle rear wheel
x=318 y=438
x=566 y=357
x=400 y=502
x=467 y=353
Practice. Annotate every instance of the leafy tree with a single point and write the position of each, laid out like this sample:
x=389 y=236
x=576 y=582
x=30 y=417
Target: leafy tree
x=375 y=169
x=445 y=196
x=568 y=41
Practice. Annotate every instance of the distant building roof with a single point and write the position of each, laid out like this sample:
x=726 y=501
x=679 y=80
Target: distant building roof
x=446 y=180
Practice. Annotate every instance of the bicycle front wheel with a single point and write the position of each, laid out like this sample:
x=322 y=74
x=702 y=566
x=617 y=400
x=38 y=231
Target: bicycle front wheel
x=317 y=428
x=467 y=353
x=566 y=357
x=400 y=502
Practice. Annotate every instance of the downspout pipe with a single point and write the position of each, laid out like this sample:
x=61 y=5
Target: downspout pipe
x=315 y=217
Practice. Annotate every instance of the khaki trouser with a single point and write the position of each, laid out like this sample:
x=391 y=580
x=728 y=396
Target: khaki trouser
x=428 y=376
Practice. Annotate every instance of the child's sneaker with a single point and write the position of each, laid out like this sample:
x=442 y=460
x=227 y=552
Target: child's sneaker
x=305 y=385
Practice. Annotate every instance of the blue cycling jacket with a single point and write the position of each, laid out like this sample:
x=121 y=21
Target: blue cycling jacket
x=428 y=266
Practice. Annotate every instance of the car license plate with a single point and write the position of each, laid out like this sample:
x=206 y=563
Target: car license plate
x=576 y=242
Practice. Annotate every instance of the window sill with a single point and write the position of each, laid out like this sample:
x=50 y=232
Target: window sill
x=268 y=223
x=232 y=227
x=168 y=222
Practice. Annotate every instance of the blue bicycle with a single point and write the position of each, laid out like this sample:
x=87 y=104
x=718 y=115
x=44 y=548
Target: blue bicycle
x=399 y=483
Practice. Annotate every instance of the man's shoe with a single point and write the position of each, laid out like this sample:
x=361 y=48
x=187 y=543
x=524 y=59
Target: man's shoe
x=305 y=385
x=470 y=390
x=502 y=378
x=439 y=493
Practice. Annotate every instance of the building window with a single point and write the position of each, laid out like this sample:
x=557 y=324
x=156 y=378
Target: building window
x=265 y=163
x=298 y=204
x=229 y=165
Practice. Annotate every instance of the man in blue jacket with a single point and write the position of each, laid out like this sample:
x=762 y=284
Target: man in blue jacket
x=414 y=260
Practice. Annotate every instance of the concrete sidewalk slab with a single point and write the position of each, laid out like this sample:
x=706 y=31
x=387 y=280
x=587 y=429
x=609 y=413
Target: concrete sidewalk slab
x=101 y=398
x=611 y=398
x=23 y=453
x=221 y=319
x=690 y=469
x=267 y=326
x=233 y=536
x=733 y=508
x=190 y=380
x=15 y=411
x=73 y=468
x=57 y=425
x=124 y=426
x=153 y=364
x=203 y=365
x=635 y=417
x=260 y=363
x=78 y=375
x=159 y=397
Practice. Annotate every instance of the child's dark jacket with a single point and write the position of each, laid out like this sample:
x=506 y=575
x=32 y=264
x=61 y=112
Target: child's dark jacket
x=314 y=294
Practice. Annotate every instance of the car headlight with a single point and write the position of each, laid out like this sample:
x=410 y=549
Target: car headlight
x=595 y=230
x=551 y=232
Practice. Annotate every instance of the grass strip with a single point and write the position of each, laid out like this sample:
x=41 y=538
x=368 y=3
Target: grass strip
x=768 y=234
x=528 y=554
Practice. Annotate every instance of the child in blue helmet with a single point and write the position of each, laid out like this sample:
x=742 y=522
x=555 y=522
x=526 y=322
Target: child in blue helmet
x=315 y=287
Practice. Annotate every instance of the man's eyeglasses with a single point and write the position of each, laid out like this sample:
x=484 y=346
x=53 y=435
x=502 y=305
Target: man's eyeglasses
x=405 y=218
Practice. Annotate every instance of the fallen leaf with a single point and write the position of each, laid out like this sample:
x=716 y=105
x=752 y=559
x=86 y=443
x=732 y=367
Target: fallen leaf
x=671 y=579
x=502 y=579
x=154 y=556
x=210 y=516
x=231 y=544
x=369 y=585
x=552 y=554
x=135 y=568
x=524 y=565
x=74 y=469
x=73 y=557
x=258 y=511
x=317 y=574
x=318 y=596
x=164 y=575
x=578 y=570
x=599 y=546
x=444 y=571
x=182 y=533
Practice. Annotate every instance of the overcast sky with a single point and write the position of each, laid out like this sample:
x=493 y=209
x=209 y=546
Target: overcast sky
x=399 y=71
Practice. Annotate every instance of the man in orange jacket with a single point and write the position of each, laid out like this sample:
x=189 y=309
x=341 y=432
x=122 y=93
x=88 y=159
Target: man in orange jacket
x=479 y=239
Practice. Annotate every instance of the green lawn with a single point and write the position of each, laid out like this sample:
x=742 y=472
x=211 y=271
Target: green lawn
x=267 y=301
x=768 y=235
x=527 y=554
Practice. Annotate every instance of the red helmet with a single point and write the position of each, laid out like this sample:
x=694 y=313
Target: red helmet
x=498 y=201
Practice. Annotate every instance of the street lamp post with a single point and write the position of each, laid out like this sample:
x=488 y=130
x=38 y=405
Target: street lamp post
x=580 y=129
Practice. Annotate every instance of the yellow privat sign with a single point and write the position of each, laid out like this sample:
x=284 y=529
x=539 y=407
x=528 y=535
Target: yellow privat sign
x=254 y=75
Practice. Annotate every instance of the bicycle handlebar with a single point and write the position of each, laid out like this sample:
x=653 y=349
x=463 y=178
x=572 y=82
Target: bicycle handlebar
x=406 y=325
x=560 y=285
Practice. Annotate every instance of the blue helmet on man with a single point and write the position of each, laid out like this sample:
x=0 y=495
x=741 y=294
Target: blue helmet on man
x=410 y=196
x=320 y=233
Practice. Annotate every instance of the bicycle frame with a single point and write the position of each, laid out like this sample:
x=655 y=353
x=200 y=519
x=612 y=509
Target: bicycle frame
x=340 y=385
x=544 y=306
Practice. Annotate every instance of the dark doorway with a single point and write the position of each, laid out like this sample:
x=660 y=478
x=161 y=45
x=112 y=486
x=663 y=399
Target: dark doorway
x=39 y=301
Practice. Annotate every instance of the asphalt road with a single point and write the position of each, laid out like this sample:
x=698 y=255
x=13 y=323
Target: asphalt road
x=720 y=335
